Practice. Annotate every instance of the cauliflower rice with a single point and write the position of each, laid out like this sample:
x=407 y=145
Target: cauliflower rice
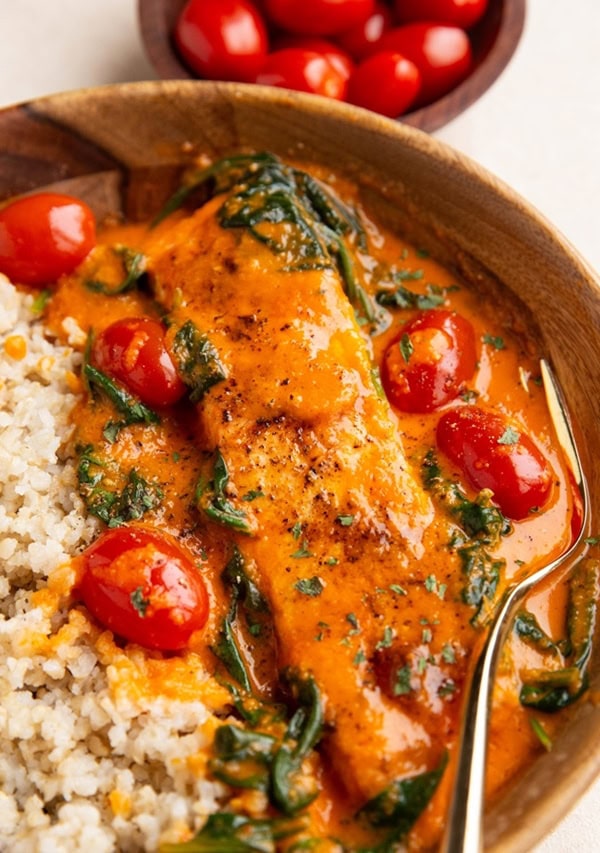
x=84 y=765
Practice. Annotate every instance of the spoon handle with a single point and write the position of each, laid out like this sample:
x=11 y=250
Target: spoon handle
x=464 y=831
x=464 y=823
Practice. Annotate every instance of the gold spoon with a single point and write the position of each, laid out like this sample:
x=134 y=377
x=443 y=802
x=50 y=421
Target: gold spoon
x=464 y=822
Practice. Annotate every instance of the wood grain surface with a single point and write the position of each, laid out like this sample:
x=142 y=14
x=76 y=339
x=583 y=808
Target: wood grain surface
x=494 y=40
x=123 y=147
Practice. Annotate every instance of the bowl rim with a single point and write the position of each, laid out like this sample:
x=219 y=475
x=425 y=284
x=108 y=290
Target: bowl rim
x=577 y=779
x=163 y=57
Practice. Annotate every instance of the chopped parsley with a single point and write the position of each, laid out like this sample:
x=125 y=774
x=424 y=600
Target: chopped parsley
x=252 y=495
x=405 y=346
x=432 y=585
x=312 y=587
x=399 y=590
x=140 y=603
x=359 y=657
x=494 y=341
x=402 y=684
x=509 y=436
x=297 y=529
x=448 y=654
x=303 y=551
x=386 y=640
x=345 y=520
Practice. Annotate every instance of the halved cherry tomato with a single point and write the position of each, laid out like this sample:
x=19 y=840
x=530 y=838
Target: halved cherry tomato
x=338 y=57
x=442 y=54
x=426 y=364
x=363 y=38
x=304 y=71
x=144 y=588
x=459 y=13
x=222 y=39
x=386 y=83
x=318 y=17
x=495 y=455
x=44 y=236
x=133 y=351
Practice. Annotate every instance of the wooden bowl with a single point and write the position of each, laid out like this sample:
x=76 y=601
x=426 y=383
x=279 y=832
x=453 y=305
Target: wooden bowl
x=494 y=40
x=121 y=148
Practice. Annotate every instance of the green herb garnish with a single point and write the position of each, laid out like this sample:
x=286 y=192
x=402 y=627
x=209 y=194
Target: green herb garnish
x=134 y=265
x=212 y=498
x=312 y=587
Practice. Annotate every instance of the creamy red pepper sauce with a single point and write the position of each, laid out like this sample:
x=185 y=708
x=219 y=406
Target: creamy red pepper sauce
x=349 y=547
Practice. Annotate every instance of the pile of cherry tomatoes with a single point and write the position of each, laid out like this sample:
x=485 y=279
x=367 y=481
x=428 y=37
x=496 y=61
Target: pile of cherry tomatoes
x=389 y=56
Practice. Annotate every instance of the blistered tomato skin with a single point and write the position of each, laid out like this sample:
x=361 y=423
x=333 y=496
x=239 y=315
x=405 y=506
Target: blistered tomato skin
x=142 y=587
x=318 y=17
x=133 y=351
x=43 y=237
x=494 y=455
x=222 y=39
x=386 y=83
x=426 y=364
x=458 y=13
x=304 y=71
x=441 y=53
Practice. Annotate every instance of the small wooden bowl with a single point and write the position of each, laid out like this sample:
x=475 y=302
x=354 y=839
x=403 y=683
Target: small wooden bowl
x=494 y=40
x=122 y=148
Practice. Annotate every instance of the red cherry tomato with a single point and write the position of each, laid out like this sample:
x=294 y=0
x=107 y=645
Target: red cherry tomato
x=305 y=71
x=338 y=57
x=143 y=587
x=318 y=17
x=44 y=236
x=222 y=39
x=442 y=55
x=425 y=365
x=458 y=13
x=494 y=455
x=133 y=351
x=386 y=83
x=363 y=38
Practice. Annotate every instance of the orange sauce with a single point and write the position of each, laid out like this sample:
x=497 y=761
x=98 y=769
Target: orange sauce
x=300 y=421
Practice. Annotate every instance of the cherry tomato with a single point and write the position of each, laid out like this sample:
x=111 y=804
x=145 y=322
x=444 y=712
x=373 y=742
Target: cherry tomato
x=495 y=455
x=363 y=38
x=44 y=236
x=425 y=365
x=318 y=17
x=340 y=60
x=133 y=351
x=305 y=71
x=144 y=588
x=386 y=83
x=458 y=13
x=442 y=55
x=222 y=39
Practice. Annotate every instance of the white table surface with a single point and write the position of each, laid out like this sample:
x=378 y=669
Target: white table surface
x=537 y=128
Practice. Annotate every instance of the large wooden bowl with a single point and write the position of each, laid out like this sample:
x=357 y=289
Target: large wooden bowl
x=494 y=39
x=121 y=147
